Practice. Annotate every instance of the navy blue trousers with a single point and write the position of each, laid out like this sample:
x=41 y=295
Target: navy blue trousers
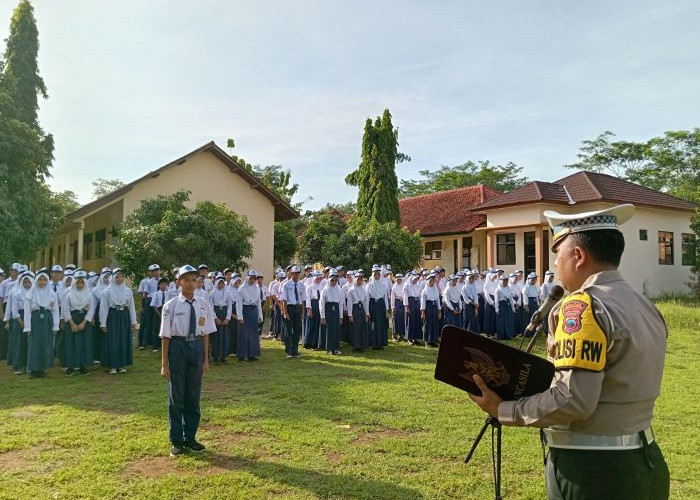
x=184 y=389
x=430 y=327
x=292 y=329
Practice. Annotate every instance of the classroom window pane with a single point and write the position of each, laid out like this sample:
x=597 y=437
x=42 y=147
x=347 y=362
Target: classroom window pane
x=505 y=249
x=688 y=249
x=666 y=248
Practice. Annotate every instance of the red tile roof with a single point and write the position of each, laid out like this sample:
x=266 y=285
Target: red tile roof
x=583 y=187
x=445 y=212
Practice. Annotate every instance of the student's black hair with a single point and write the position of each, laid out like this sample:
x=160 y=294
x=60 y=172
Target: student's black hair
x=605 y=245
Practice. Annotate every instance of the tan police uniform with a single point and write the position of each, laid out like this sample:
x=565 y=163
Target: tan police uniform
x=608 y=343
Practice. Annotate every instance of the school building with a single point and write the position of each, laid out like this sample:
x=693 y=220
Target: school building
x=208 y=172
x=508 y=230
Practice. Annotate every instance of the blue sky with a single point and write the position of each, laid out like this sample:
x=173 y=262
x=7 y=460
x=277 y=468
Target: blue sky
x=135 y=84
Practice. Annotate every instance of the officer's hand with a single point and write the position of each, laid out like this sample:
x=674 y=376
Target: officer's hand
x=489 y=400
x=165 y=372
x=323 y=321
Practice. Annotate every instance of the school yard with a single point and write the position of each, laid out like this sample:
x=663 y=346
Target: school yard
x=371 y=426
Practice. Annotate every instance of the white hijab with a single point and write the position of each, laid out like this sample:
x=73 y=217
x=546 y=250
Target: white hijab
x=79 y=299
x=120 y=293
x=22 y=292
x=40 y=296
x=218 y=295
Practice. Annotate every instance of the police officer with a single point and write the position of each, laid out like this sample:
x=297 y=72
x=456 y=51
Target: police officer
x=607 y=344
x=185 y=326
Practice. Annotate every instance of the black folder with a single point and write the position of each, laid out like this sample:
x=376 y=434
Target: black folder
x=509 y=372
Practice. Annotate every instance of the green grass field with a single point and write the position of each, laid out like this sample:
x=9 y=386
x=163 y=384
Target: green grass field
x=371 y=426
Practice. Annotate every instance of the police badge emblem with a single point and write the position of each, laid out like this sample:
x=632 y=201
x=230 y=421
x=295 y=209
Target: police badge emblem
x=572 y=311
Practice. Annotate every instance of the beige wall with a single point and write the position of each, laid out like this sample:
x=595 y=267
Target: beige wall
x=478 y=258
x=639 y=264
x=210 y=180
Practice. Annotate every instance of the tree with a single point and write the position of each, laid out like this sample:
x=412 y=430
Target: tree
x=321 y=227
x=21 y=64
x=26 y=152
x=164 y=230
x=500 y=177
x=285 y=243
x=102 y=187
x=367 y=242
x=617 y=158
x=376 y=175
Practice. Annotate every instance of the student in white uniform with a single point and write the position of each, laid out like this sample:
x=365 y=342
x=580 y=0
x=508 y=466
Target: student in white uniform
x=249 y=313
x=358 y=304
x=330 y=309
x=396 y=300
x=504 y=307
x=185 y=328
x=470 y=299
x=430 y=311
x=117 y=319
x=41 y=322
x=78 y=311
x=452 y=300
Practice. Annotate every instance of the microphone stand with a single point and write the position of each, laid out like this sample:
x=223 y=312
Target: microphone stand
x=495 y=451
x=496 y=429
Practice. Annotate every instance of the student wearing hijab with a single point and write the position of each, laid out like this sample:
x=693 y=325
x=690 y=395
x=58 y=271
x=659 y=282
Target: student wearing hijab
x=531 y=297
x=331 y=316
x=430 y=311
x=220 y=300
x=313 y=318
x=41 y=320
x=490 y=287
x=249 y=312
x=358 y=303
x=470 y=299
x=117 y=319
x=233 y=325
x=411 y=301
x=452 y=298
x=379 y=309
x=77 y=312
x=346 y=327
x=398 y=325
x=17 y=355
x=504 y=307
x=97 y=336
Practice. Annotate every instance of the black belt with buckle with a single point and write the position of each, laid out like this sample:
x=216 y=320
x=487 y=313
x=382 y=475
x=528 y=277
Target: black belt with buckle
x=118 y=308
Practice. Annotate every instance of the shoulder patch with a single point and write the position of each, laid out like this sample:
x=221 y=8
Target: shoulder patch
x=580 y=342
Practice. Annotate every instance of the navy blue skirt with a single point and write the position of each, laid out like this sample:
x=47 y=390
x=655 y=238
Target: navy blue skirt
x=219 y=339
x=360 y=327
x=116 y=348
x=415 y=324
x=489 y=317
x=40 y=345
x=430 y=327
x=17 y=355
x=505 y=321
x=77 y=345
x=379 y=326
x=399 y=319
x=452 y=318
x=313 y=326
x=329 y=339
x=248 y=338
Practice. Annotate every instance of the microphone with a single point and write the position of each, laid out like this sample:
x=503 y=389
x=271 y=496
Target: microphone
x=554 y=296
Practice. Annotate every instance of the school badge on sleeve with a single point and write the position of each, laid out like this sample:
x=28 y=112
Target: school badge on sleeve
x=579 y=341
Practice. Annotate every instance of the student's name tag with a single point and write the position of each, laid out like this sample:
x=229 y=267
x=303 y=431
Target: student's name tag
x=202 y=321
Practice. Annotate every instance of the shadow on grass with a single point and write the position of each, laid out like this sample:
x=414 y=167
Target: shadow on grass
x=323 y=485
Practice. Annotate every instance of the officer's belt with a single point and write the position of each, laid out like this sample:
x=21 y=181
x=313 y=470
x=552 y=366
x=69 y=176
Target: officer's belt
x=578 y=441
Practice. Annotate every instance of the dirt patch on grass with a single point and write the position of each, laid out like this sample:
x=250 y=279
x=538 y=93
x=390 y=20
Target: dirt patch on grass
x=151 y=467
x=28 y=459
x=23 y=414
x=333 y=457
x=369 y=437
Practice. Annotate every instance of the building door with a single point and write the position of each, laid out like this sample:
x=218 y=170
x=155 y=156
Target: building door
x=466 y=252
x=530 y=256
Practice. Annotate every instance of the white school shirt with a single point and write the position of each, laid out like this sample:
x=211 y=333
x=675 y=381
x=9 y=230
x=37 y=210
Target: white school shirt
x=52 y=308
x=313 y=291
x=479 y=286
x=515 y=292
x=411 y=290
x=490 y=289
x=222 y=298
x=159 y=298
x=288 y=293
x=248 y=295
x=67 y=307
x=429 y=293
x=356 y=295
x=171 y=293
x=176 y=317
x=60 y=287
x=344 y=289
x=531 y=291
x=330 y=294
x=107 y=301
x=503 y=293
x=469 y=294
x=143 y=286
x=16 y=302
x=451 y=294
x=546 y=287
x=376 y=289
x=397 y=292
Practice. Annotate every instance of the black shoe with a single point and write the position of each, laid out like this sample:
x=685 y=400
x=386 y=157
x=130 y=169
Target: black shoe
x=69 y=371
x=176 y=449
x=33 y=374
x=194 y=445
x=253 y=359
x=83 y=371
